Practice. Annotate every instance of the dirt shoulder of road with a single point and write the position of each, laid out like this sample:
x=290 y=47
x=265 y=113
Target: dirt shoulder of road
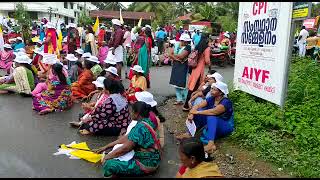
x=232 y=159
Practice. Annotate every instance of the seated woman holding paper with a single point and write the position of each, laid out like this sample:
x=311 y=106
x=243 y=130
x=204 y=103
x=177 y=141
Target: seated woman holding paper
x=216 y=113
x=204 y=91
x=142 y=139
x=110 y=116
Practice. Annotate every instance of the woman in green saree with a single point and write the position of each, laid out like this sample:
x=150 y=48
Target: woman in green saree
x=142 y=139
x=141 y=54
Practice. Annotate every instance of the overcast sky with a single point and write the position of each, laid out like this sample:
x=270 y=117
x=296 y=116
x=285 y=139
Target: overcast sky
x=126 y=4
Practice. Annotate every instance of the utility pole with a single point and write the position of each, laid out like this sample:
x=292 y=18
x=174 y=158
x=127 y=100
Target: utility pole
x=50 y=13
x=50 y=10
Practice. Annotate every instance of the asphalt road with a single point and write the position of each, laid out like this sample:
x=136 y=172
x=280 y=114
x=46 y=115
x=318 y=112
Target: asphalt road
x=28 y=140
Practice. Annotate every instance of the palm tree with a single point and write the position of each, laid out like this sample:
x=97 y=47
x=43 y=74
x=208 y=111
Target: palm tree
x=150 y=7
x=182 y=8
x=207 y=12
x=113 y=6
x=228 y=8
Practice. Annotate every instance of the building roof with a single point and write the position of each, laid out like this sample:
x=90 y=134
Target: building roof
x=185 y=17
x=125 y=14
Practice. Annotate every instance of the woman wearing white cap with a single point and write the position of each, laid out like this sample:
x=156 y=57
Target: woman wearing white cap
x=19 y=44
x=142 y=140
x=226 y=40
x=138 y=83
x=22 y=79
x=74 y=67
x=111 y=72
x=96 y=69
x=6 y=58
x=50 y=42
x=215 y=114
x=154 y=114
x=109 y=63
x=88 y=108
x=204 y=91
x=83 y=87
x=179 y=71
x=57 y=97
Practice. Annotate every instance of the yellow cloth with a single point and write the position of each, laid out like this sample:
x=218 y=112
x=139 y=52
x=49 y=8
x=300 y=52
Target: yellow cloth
x=59 y=42
x=140 y=82
x=312 y=41
x=95 y=27
x=35 y=39
x=203 y=170
x=86 y=155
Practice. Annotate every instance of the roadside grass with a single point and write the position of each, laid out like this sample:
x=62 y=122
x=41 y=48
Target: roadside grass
x=289 y=138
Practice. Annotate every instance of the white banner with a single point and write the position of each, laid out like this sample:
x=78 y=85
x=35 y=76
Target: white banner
x=196 y=27
x=262 y=49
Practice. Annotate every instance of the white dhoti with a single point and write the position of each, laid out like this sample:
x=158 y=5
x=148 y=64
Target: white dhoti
x=302 y=49
x=118 y=54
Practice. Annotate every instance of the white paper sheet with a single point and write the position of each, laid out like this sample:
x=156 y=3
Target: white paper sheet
x=125 y=157
x=191 y=127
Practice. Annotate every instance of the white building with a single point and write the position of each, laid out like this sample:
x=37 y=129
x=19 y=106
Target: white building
x=65 y=11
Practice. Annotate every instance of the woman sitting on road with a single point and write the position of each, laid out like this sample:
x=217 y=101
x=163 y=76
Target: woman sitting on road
x=83 y=87
x=96 y=68
x=111 y=116
x=142 y=139
x=88 y=108
x=49 y=76
x=138 y=83
x=192 y=157
x=111 y=72
x=57 y=97
x=215 y=113
x=6 y=58
x=22 y=78
x=204 y=91
x=156 y=118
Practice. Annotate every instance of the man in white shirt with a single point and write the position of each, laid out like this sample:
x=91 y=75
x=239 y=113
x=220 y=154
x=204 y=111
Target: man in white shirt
x=302 y=41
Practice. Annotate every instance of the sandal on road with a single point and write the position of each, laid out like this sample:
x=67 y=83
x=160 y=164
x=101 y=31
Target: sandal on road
x=178 y=103
x=74 y=124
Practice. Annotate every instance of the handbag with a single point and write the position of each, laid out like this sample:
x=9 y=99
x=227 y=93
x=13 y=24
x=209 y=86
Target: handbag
x=193 y=59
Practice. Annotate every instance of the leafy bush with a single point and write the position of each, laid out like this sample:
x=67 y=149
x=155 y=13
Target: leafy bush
x=289 y=137
x=23 y=20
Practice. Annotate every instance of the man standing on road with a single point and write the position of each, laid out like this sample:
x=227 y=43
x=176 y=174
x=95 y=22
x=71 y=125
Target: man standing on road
x=196 y=38
x=115 y=45
x=160 y=35
x=302 y=41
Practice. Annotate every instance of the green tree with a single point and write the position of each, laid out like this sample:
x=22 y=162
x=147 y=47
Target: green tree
x=84 y=19
x=113 y=6
x=195 y=6
x=228 y=9
x=315 y=10
x=182 y=8
x=23 y=19
x=228 y=23
x=159 y=8
x=205 y=12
